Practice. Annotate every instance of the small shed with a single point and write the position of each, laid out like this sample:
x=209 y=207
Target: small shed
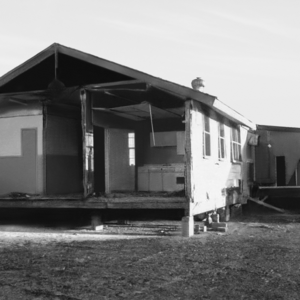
x=277 y=166
x=80 y=131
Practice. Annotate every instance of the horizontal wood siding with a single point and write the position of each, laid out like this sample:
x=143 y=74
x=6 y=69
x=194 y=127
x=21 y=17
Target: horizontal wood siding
x=209 y=175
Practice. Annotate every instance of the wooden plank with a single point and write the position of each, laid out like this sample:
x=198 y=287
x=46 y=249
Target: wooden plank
x=124 y=203
x=267 y=205
x=116 y=85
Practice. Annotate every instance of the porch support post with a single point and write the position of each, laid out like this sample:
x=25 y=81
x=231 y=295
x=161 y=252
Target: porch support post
x=187 y=223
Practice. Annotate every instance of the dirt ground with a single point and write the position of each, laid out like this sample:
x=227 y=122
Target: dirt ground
x=258 y=258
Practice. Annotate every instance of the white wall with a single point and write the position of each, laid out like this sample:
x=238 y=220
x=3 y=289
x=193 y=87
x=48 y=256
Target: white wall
x=209 y=175
x=10 y=134
x=13 y=173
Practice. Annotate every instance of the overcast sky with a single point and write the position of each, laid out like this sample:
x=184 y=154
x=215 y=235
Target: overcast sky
x=248 y=52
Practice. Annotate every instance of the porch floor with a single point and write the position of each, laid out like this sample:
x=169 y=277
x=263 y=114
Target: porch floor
x=110 y=201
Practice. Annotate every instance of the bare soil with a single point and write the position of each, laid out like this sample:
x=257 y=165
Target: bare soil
x=258 y=258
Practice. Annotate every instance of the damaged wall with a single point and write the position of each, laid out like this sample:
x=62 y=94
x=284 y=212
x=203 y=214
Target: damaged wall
x=209 y=175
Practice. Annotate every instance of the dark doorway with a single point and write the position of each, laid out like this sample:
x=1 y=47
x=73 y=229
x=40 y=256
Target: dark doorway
x=280 y=170
x=99 y=160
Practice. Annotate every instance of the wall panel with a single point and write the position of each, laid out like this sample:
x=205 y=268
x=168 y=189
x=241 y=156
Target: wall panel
x=63 y=155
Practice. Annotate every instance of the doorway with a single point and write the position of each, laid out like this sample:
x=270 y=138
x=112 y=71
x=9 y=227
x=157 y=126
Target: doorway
x=120 y=160
x=99 y=159
x=280 y=170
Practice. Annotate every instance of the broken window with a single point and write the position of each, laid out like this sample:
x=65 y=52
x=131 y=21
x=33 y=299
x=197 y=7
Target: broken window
x=222 y=144
x=131 y=146
x=236 y=147
x=206 y=137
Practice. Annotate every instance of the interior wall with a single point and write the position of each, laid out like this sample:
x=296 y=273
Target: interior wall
x=64 y=161
x=21 y=151
x=210 y=175
x=145 y=154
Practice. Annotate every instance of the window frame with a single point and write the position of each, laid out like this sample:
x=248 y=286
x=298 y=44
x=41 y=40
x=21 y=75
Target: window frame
x=236 y=145
x=131 y=148
x=206 y=135
x=221 y=142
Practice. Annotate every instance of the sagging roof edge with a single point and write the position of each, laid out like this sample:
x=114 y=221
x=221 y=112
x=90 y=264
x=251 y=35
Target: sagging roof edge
x=170 y=87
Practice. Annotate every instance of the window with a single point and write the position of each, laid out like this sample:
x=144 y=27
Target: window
x=206 y=137
x=222 y=144
x=131 y=147
x=89 y=154
x=236 y=148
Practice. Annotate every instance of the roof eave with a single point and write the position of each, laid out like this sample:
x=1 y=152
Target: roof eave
x=232 y=114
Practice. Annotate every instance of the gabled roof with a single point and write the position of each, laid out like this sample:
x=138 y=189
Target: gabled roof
x=78 y=69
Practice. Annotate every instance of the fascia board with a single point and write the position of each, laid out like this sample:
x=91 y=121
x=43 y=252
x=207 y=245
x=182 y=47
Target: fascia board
x=168 y=86
x=232 y=114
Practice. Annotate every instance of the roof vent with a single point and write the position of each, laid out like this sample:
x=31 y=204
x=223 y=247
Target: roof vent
x=197 y=84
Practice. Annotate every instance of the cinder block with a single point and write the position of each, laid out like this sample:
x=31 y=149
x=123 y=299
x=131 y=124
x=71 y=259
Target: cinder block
x=220 y=224
x=187 y=224
x=215 y=217
x=96 y=222
x=99 y=228
x=197 y=228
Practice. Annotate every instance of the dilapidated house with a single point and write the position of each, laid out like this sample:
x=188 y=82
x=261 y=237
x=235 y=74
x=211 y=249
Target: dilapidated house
x=76 y=129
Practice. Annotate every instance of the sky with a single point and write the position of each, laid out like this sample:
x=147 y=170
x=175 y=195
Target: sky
x=247 y=52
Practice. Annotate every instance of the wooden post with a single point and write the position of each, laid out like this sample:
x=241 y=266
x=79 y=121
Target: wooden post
x=188 y=158
x=187 y=222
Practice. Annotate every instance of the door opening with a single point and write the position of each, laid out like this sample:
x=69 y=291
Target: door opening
x=280 y=170
x=119 y=160
x=99 y=160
